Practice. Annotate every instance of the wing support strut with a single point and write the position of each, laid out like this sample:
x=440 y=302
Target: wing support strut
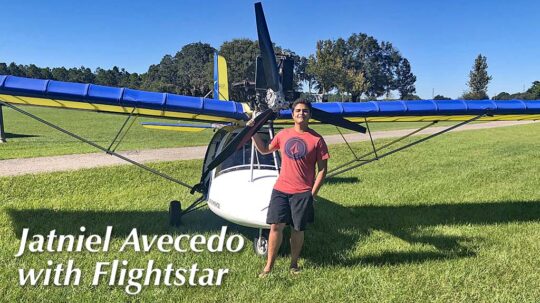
x=122 y=128
x=195 y=205
x=112 y=153
x=363 y=160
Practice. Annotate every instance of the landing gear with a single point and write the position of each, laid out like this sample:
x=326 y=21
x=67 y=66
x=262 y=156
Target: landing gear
x=260 y=243
x=175 y=213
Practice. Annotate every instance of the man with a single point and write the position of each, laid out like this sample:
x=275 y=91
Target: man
x=291 y=203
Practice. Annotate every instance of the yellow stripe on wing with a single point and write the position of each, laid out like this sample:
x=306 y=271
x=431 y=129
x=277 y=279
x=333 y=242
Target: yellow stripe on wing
x=175 y=128
x=427 y=118
x=111 y=108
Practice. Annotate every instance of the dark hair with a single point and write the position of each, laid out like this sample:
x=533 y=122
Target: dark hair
x=301 y=101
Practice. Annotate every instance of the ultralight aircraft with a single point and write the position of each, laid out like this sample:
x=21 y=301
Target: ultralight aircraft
x=232 y=165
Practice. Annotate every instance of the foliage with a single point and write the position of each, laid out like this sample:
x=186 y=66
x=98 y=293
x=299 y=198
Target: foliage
x=532 y=93
x=189 y=72
x=354 y=67
x=411 y=97
x=478 y=80
x=441 y=97
x=502 y=96
x=456 y=219
x=360 y=66
x=474 y=96
x=405 y=79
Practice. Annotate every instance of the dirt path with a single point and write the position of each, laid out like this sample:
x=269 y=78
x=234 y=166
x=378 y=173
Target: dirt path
x=16 y=167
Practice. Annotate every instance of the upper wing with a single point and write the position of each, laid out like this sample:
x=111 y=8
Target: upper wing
x=19 y=90
x=428 y=110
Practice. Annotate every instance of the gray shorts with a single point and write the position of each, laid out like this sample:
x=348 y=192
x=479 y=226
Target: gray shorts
x=294 y=209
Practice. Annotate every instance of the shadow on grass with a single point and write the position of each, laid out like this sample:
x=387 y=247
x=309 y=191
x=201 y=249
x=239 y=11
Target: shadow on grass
x=339 y=180
x=42 y=221
x=12 y=135
x=337 y=229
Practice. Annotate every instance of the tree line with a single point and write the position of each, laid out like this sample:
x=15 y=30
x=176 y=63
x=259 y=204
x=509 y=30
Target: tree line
x=353 y=69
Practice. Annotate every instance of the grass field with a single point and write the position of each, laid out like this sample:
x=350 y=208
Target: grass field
x=456 y=219
x=29 y=138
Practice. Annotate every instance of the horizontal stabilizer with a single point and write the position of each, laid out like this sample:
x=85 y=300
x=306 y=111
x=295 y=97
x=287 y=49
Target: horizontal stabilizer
x=181 y=127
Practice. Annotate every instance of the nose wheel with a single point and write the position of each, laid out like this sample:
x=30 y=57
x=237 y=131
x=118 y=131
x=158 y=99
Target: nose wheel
x=175 y=213
x=260 y=243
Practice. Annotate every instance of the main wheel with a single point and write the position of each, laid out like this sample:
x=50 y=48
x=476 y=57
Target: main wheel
x=175 y=213
x=260 y=243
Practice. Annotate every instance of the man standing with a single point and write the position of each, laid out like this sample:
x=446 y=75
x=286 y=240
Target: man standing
x=291 y=203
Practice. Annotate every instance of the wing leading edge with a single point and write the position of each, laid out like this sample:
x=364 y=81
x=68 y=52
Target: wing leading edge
x=20 y=90
x=51 y=93
x=429 y=110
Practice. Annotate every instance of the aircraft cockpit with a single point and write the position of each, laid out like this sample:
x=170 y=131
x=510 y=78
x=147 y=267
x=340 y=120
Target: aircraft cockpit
x=249 y=157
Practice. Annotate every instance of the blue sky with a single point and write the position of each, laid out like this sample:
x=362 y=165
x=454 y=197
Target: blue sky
x=440 y=38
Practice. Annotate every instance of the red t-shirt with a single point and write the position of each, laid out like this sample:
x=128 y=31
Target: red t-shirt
x=299 y=155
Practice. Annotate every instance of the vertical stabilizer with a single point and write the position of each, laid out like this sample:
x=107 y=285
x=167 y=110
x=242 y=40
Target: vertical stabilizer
x=221 y=83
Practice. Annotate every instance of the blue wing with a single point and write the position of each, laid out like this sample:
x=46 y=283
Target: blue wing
x=429 y=110
x=19 y=90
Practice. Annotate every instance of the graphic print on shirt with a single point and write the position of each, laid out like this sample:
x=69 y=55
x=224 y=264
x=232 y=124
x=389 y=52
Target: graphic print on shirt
x=295 y=148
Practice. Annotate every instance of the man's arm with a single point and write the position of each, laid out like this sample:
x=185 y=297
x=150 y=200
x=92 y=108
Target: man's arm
x=321 y=174
x=261 y=147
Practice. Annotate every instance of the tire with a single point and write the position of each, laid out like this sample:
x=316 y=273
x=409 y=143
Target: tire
x=260 y=244
x=175 y=213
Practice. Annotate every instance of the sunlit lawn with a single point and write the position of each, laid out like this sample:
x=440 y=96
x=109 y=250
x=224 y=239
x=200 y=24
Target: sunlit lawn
x=29 y=138
x=456 y=219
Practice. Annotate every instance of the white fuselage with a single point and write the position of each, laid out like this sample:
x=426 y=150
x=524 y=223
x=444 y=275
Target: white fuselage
x=235 y=197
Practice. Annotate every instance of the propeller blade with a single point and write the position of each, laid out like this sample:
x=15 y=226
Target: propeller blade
x=267 y=50
x=328 y=118
x=236 y=143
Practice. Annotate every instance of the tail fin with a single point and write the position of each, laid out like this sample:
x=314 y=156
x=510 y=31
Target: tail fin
x=221 y=84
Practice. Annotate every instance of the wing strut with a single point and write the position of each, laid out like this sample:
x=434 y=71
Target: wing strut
x=363 y=161
x=112 y=153
x=120 y=130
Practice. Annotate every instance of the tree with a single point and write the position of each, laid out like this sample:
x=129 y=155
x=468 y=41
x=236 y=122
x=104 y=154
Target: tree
x=478 y=79
x=241 y=55
x=405 y=79
x=60 y=73
x=194 y=65
x=441 y=97
x=189 y=72
x=411 y=97
x=502 y=96
x=327 y=66
x=360 y=65
x=4 y=69
x=303 y=74
x=534 y=90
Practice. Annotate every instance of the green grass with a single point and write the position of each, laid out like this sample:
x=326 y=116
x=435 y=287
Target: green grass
x=456 y=219
x=28 y=138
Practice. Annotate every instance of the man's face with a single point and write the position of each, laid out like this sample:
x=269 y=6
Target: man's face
x=301 y=113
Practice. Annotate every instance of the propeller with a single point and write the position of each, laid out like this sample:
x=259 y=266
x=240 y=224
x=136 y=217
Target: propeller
x=235 y=144
x=275 y=101
x=326 y=117
x=272 y=76
x=267 y=50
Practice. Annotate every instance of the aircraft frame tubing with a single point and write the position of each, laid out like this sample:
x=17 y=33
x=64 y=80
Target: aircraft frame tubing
x=2 y=132
x=107 y=151
x=340 y=169
x=195 y=205
x=120 y=131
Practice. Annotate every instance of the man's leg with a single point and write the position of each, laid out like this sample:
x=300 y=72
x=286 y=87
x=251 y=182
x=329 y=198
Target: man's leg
x=274 y=242
x=297 y=241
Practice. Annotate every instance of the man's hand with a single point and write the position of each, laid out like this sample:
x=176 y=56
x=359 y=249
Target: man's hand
x=251 y=122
